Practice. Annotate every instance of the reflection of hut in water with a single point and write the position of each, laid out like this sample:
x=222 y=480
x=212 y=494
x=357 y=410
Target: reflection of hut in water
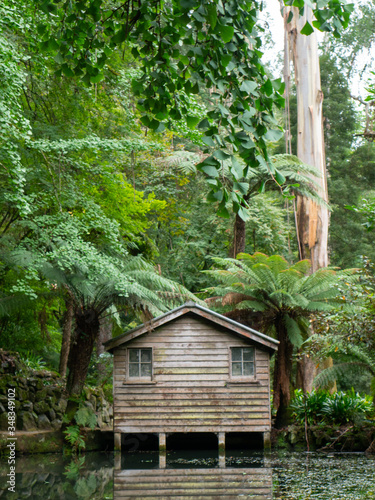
x=193 y=483
x=191 y=371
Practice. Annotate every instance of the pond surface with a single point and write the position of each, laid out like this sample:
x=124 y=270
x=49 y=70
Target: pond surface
x=194 y=475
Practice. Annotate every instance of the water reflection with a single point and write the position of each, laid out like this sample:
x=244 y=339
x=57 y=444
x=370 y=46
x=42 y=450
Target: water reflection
x=54 y=477
x=191 y=474
x=185 y=474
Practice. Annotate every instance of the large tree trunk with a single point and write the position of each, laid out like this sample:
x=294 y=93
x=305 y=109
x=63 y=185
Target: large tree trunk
x=306 y=371
x=282 y=375
x=239 y=237
x=312 y=219
x=66 y=336
x=86 y=332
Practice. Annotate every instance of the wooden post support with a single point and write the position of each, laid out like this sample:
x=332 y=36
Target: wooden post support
x=117 y=436
x=117 y=460
x=162 y=450
x=162 y=460
x=222 y=459
x=267 y=440
x=221 y=439
x=162 y=442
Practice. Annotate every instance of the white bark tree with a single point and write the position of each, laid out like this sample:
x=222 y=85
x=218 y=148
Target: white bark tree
x=312 y=219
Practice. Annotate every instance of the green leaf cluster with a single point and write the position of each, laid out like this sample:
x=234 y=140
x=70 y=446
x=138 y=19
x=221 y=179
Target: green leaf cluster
x=184 y=48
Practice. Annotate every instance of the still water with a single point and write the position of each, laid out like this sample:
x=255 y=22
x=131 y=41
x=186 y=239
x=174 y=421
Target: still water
x=194 y=475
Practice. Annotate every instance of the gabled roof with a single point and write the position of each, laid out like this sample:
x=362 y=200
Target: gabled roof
x=242 y=331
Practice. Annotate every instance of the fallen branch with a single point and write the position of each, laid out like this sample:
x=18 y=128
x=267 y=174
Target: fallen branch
x=371 y=448
x=335 y=441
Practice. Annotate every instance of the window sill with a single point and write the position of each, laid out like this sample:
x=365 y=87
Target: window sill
x=242 y=382
x=139 y=382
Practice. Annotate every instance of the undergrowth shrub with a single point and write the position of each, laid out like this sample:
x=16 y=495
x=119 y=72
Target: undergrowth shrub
x=338 y=408
x=309 y=406
x=343 y=407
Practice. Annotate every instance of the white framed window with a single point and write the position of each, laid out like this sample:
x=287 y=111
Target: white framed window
x=140 y=363
x=242 y=362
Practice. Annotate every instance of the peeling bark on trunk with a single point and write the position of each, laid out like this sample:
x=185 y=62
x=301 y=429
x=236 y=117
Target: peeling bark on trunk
x=66 y=336
x=328 y=363
x=239 y=237
x=313 y=219
x=85 y=335
x=282 y=373
x=306 y=371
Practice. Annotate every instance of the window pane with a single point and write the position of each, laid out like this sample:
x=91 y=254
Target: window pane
x=145 y=369
x=248 y=354
x=146 y=355
x=133 y=355
x=236 y=369
x=236 y=353
x=248 y=368
x=133 y=370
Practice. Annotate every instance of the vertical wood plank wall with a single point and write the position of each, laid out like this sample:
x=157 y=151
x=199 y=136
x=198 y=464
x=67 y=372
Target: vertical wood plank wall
x=191 y=390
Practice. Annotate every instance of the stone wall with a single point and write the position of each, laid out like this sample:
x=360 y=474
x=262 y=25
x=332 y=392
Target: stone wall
x=41 y=399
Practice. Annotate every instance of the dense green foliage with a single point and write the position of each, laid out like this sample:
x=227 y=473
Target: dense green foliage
x=186 y=47
x=126 y=131
x=321 y=406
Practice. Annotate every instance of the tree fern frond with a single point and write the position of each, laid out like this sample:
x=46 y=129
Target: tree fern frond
x=335 y=372
x=277 y=264
x=294 y=332
x=10 y=304
x=302 y=266
x=328 y=376
x=264 y=275
x=289 y=279
x=253 y=305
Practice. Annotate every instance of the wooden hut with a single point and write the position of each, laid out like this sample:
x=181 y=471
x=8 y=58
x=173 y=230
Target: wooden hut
x=191 y=370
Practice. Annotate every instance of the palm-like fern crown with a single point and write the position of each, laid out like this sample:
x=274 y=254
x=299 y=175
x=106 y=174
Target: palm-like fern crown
x=274 y=288
x=134 y=285
x=100 y=281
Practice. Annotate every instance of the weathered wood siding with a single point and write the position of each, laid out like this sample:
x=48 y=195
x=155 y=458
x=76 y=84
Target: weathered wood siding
x=193 y=483
x=191 y=390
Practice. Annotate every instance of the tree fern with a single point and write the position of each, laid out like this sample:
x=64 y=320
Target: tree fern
x=96 y=282
x=346 y=355
x=285 y=294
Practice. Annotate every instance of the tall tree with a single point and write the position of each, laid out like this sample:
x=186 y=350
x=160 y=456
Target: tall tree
x=312 y=219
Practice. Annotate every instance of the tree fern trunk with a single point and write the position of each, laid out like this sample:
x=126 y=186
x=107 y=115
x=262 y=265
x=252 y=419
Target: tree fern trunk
x=86 y=332
x=66 y=336
x=281 y=379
